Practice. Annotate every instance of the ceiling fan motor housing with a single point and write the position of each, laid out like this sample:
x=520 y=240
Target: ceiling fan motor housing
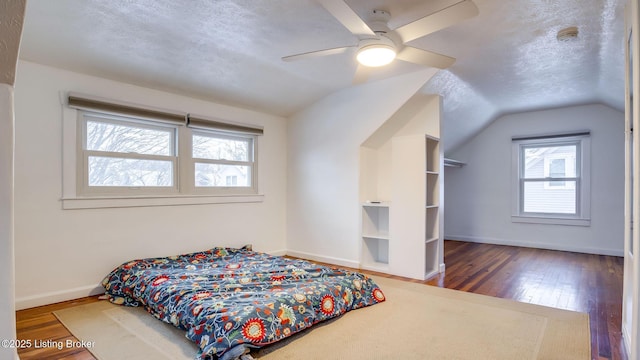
x=379 y=20
x=379 y=24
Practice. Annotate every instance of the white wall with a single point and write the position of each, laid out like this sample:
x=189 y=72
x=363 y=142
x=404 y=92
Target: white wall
x=11 y=21
x=7 y=312
x=323 y=166
x=478 y=195
x=62 y=254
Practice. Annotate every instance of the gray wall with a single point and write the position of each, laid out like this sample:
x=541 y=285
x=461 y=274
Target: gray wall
x=478 y=196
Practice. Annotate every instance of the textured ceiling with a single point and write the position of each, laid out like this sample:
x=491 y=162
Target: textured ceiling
x=508 y=58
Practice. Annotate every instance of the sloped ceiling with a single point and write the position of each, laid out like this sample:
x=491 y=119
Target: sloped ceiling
x=508 y=57
x=11 y=20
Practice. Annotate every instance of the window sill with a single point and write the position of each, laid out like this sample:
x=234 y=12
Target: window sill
x=146 y=201
x=550 y=220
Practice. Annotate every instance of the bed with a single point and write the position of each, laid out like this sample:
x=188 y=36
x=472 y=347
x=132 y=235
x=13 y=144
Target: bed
x=231 y=300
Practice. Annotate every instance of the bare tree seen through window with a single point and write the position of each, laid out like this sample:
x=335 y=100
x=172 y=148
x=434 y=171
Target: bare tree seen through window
x=108 y=167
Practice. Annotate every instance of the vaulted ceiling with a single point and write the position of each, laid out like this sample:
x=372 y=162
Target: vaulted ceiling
x=508 y=56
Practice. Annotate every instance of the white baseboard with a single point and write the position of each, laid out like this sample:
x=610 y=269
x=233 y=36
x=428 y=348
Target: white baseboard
x=90 y=290
x=626 y=339
x=53 y=297
x=325 y=259
x=277 y=252
x=530 y=244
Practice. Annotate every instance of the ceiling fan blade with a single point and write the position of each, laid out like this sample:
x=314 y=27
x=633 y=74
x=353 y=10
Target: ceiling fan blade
x=310 y=54
x=438 y=20
x=341 y=11
x=426 y=58
x=362 y=74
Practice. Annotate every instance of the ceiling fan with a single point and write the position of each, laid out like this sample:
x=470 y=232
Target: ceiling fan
x=378 y=45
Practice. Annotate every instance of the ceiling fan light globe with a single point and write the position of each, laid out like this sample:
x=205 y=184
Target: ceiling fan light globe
x=376 y=55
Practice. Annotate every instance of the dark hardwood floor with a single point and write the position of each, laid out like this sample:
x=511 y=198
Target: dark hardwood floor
x=40 y=325
x=571 y=281
x=559 y=279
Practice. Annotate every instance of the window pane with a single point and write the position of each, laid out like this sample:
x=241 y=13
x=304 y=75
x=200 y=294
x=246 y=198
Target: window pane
x=232 y=180
x=108 y=171
x=222 y=175
x=554 y=197
x=550 y=161
x=557 y=168
x=215 y=148
x=105 y=136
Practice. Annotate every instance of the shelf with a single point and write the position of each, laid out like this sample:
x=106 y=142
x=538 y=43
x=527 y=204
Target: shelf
x=376 y=236
x=433 y=154
x=375 y=251
x=453 y=163
x=431 y=240
x=375 y=220
x=431 y=258
x=380 y=204
x=432 y=189
x=432 y=172
x=434 y=206
x=432 y=228
x=379 y=267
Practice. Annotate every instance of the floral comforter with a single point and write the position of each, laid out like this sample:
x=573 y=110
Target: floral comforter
x=230 y=300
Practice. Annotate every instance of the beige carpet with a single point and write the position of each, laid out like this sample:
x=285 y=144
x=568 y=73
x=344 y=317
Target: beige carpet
x=416 y=322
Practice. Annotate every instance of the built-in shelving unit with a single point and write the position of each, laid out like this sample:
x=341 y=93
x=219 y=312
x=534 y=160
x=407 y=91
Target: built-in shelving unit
x=375 y=236
x=432 y=216
x=401 y=169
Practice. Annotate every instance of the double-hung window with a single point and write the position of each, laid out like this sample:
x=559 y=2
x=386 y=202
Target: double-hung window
x=129 y=152
x=551 y=181
x=223 y=162
x=126 y=156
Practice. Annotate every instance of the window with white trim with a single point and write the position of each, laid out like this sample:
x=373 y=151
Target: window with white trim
x=551 y=179
x=128 y=153
x=126 y=156
x=222 y=161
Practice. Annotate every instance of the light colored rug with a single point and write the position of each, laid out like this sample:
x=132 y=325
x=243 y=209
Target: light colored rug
x=416 y=322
